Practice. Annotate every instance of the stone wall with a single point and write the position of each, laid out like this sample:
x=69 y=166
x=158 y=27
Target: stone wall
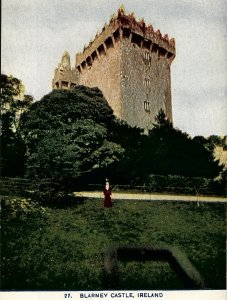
x=145 y=85
x=105 y=73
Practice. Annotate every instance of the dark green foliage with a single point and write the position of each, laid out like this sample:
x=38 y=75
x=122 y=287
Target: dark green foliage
x=67 y=137
x=12 y=149
x=165 y=151
x=15 y=186
x=211 y=142
x=174 y=152
x=11 y=87
x=62 y=249
x=133 y=141
x=61 y=109
x=215 y=140
x=180 y=185
x=19 y=220
x=12 y=146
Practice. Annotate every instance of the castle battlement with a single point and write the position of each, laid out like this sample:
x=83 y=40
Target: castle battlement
x=130 y=63
x=126 y=26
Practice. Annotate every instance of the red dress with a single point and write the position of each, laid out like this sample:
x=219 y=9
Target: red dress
x=107 y=199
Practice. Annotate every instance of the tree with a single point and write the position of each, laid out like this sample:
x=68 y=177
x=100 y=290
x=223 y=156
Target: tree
x=164 y=151
x=60 y=109
x=13 y=103
x=67 y=136
x=174 y=152
x=133 y=140
x=211 y=142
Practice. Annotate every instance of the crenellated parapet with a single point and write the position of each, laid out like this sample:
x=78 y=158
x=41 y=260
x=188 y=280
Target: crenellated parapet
x=120 y=27
x=145 y=31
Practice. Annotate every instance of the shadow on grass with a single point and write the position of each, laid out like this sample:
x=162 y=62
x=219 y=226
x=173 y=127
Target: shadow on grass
x=187 y=275
x=63 y=202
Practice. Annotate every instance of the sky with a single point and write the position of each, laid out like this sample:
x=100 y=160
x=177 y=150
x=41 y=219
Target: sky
x=36 y=33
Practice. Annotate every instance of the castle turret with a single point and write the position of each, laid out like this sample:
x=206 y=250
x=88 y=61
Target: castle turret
x=64 y=76
x=65 y=61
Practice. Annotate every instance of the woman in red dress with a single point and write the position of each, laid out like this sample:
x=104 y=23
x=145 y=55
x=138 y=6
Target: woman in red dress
x=107 y=191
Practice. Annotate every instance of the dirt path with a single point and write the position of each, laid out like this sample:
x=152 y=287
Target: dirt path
x=151 y=197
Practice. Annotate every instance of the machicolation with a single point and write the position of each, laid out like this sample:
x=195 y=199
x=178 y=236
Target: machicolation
x=130 y=63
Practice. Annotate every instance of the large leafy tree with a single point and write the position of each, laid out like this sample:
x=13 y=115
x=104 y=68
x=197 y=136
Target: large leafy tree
x=164 y=151
x=175 y=152
x=67 y=134
x=13 y=103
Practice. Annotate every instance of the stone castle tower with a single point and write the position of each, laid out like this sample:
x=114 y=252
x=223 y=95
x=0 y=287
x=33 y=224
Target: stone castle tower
x=130 y=63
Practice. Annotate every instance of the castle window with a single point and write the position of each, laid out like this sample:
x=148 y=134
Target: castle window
x=170 y=55
x=147 y=82
x=147 y=55
x=162 y=52
x=147 y=44
x=155 y=47
x=79 y=68
x=64 y=84
x=94 y=55
x=109 y=43
x=126 y=32
x=136 y=39
x=101 y=50
x=88 y=60
x=116 y=35
x=146 y=106
x=83 y=65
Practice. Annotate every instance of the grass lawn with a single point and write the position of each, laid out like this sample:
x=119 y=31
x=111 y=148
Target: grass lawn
x=62 y=248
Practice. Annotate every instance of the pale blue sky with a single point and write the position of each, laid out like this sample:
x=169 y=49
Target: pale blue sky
x=36 y=33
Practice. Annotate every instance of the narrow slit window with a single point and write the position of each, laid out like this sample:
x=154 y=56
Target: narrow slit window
x=147 y=55
x=89 y=61
x=83 y=65
x=147 y=44
x=170 y=55
x=146 y=106
x=101 y=50
x=109 y=43
x=155 y=48
x=147 y=82
x=116 y=35
x=136 y=39
x=162 y=52
x=126 y=32
x=94 y=55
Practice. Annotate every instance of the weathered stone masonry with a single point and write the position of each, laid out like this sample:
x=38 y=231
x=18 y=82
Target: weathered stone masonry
x=130 y=63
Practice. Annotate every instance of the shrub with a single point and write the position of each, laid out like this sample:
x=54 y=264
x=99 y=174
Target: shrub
x=179 y=184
